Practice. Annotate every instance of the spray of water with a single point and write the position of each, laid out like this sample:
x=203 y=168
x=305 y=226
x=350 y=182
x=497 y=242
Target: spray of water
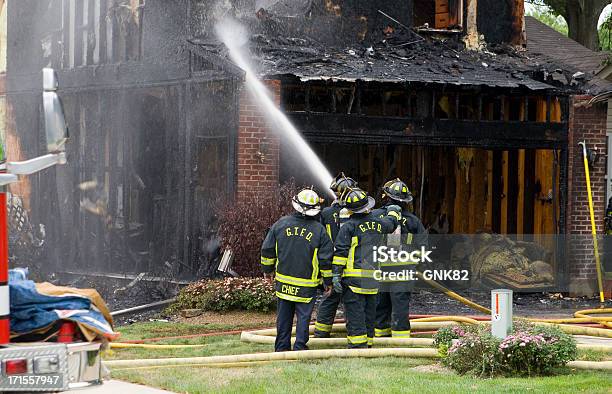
x=235 y=37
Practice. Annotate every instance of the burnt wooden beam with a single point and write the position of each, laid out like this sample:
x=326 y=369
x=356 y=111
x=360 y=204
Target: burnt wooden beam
x=383 y=103
x=372 y=130
x=457 y=106
x=333 y=99
x=101 y=39
x=307 y=99
x=433 y=104
x=548 y=106
x=409 y=103
x=565 y=109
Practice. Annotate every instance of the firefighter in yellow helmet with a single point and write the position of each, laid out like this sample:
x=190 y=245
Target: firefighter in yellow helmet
x=353 y=268
x=331 y=219
x=393 y=300
x=297 y=249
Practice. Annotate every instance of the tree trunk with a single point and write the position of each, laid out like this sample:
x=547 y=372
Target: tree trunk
x=582 y=17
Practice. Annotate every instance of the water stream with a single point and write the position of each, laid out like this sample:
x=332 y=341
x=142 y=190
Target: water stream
x=235 y=38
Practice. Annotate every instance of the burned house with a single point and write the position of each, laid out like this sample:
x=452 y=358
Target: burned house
x=484 y=131
x=440 y=93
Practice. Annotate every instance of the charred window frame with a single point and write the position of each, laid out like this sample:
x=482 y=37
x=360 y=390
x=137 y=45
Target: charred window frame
x=95 y=32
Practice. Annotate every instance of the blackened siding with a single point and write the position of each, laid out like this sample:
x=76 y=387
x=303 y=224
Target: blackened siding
x=151 y=150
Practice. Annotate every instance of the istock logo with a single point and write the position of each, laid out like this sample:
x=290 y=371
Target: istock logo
x=384 y=254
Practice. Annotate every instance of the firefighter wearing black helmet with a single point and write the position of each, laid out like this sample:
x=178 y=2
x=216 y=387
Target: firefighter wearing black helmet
x=393 y=301
x=297 y=249
x=330 y=218
x=353 y=266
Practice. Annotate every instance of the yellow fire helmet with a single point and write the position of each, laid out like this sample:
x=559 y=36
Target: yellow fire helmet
x=397 y=190
x=307 y=202
x=357 y=200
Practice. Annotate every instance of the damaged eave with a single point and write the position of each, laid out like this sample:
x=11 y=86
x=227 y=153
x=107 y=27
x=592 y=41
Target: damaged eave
x=222 y=62
x=532 y=85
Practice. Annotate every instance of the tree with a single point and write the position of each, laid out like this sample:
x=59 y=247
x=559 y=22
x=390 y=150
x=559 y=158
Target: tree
x=605 y=34
x=555 y=21
x=581 y=17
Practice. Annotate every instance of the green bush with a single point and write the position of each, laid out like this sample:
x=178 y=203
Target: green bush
x=250 y=294
x=537 y=350
x=476 y=352
x=530 y=350
x=443 y=338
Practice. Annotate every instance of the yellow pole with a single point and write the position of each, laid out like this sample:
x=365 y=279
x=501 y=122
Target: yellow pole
x=593 y=227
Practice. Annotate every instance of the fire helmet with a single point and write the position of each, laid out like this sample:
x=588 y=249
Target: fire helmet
x=307 y=202
x=341 y=182
x=397 y=190
x=356 y=200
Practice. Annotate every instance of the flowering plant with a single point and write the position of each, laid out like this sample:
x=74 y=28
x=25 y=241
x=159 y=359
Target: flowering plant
x=474 y=352
x=529 y=350
x=537 y=350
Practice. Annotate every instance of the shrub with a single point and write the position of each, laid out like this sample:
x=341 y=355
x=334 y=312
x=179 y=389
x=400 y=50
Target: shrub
x=537 y=350
x=243 y=225
x=251 y=294
x=443 y=339
x=530 y=350
x=476 y=352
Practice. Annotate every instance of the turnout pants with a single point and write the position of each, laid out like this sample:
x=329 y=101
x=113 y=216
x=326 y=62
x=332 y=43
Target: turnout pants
x=392 y=314
x=326 y=314
x=360 y=311
x=284 y=324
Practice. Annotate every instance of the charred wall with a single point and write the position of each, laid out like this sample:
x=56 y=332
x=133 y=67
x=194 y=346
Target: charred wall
x=501 y=21
x=152 y=144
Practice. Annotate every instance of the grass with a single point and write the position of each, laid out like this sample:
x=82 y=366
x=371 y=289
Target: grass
x=389 y=375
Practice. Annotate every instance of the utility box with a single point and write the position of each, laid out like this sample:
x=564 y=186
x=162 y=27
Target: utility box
x=501 y=312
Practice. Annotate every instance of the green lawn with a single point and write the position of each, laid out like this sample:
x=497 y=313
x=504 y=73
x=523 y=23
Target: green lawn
x=388 y=375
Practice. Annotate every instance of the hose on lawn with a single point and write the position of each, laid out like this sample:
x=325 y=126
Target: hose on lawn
x=245 y=360
x=122 y=345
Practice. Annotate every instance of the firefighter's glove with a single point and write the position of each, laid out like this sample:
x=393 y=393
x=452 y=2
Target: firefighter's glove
x=395 y=211
x=337 y=283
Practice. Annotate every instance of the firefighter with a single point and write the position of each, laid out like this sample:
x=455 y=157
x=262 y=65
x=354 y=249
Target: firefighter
x=331 y=218
x=393 y=300
x=297 y=250
x=353 y=268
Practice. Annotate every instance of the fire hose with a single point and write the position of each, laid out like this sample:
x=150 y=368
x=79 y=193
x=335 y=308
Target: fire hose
x=258 y=358
x=266 y=336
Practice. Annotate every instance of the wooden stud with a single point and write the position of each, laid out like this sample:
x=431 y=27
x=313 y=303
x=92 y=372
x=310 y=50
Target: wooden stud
x=489 y=196
x=520 y=204
x=504 y=196
x=333 y=99
x=477 y=193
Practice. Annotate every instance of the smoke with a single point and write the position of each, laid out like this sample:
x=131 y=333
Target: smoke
x=235 y=37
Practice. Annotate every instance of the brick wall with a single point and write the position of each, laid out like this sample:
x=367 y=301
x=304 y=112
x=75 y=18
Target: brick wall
x=258 y=148
x=586 y=124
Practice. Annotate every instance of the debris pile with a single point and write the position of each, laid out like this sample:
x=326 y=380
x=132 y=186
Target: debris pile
x=389 y=52
x=499 y=259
